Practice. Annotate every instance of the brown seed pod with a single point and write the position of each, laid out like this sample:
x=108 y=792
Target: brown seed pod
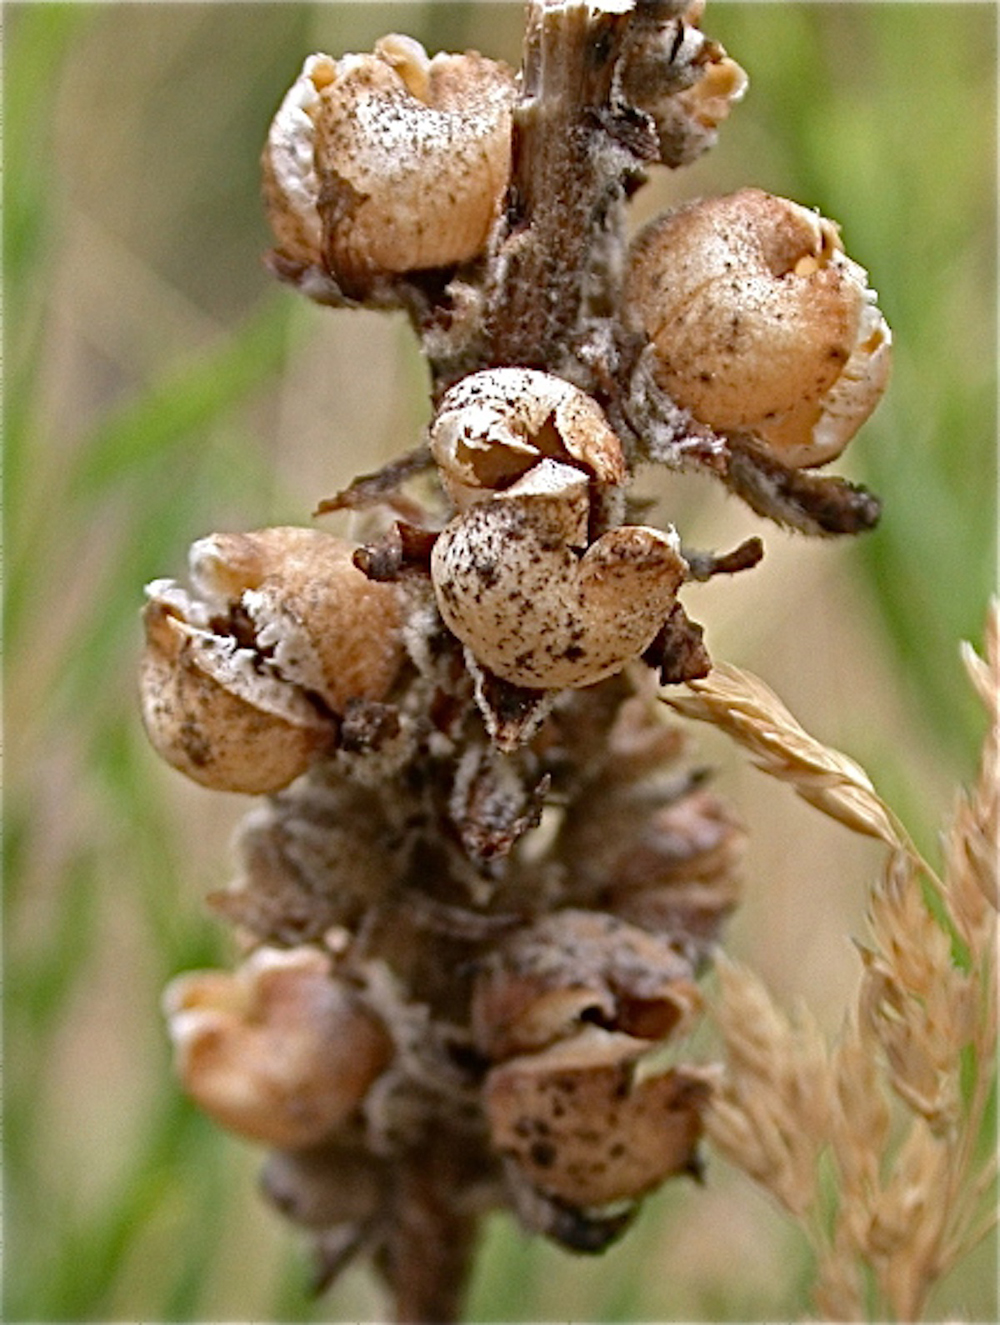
x=240 y=679
x=278 y=1051
x=584 y=1125
x=211 y=714
x=389 y=162
x=493 y=426
x=545 y=982
x=759 y=323
x=325 y=625
x=516 y=581
x=684 y=81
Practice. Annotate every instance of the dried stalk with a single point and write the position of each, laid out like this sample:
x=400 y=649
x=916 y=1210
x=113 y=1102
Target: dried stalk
x=483 y=884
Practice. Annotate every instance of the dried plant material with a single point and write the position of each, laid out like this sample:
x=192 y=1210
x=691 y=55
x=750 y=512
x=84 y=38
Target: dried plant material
x=493 y=426
x=543 y=983
x=518 y=581
x=279 y=1052
x=584 y=1128
x=485 y=882
x=685 y=82
x=743 y=706
x=772 y=1114
x=911 y=1189
x=309 y=862
x=971 y=862
x=390 y=162
x=243 y=677
x=296 y=598
x=760 y=323
x=325 y=1186
x=215 y=716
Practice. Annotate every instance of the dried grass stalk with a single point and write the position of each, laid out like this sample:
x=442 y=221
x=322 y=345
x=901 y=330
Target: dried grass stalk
x=896 y=1106
x=752 y=714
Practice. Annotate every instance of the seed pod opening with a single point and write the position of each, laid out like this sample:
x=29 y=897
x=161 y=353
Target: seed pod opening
x=493 y=426
x=573 y=967
x=242 y=679
x=760 y=324
x=213 y=715
x=325 y=626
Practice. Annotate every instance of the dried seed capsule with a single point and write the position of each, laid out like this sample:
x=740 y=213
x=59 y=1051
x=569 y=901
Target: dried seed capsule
x=278 y=1051
x=493 y=426
x=389 y=162
x=516 y=582
x=684 y=81
x=544 y=982
x=584 y=1126
x=311 y=858
x=324 y=625
x=240 y=680
x=760 y=324
x=210 y=713
x=325 y=1186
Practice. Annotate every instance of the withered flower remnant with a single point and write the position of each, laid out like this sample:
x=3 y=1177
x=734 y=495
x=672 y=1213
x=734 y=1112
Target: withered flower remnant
x=684 y=81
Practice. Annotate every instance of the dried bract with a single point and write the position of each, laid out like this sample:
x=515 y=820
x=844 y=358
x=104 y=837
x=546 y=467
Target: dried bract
x=760 y=324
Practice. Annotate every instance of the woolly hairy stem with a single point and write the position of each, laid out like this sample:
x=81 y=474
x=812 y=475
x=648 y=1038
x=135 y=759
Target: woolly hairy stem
x=563 y=183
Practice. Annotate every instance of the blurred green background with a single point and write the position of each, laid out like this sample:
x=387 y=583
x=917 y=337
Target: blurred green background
x=156 y=387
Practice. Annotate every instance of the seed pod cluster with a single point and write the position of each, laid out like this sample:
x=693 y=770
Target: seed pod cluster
x=483 y=883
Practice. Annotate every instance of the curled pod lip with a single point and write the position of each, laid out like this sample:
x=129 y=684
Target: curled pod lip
x=389 y=162
x=584 y=1124
x=277 y=1051
x=759 y=323
x=516 y=581
x=493 y=426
